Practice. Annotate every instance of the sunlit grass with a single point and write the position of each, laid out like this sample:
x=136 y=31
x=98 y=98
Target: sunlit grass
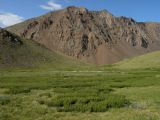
x=127 y=95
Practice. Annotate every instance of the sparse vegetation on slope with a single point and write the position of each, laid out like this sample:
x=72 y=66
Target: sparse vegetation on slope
x=150 y=60
x=16 y=52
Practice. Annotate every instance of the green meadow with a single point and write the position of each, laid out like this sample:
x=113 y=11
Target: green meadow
x=129 y=90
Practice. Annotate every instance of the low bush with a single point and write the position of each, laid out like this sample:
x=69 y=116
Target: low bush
x=4 y=100
x=47 y=94
x=90 y=103
x=18 y=90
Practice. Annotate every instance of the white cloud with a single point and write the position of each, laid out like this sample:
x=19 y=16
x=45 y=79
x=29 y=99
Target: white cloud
x=51 y=5
x=8 y=19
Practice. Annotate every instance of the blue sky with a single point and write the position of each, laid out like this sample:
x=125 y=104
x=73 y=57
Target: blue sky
x=14 y=11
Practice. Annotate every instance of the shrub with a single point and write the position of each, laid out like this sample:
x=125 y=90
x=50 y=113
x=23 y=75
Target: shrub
x=90 y=103
x=105 y=90
x=18 y=90
x=60 y=102
x=119 y=86
x=47 y=94
x=4 y=100
x=99 y=107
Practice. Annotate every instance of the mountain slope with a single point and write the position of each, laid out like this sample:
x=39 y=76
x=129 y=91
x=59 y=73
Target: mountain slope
x=150 y=60
x=16 y=52
x=95 y=37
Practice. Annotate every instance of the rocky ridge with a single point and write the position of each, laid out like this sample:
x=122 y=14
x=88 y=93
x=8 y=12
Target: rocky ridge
x=96 y=37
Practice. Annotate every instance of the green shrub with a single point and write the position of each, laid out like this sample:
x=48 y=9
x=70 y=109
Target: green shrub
x=18 y=90
x=104 y=90
x=90 y=103
x=60 y=102
x=4 y=100
x=47 y=94
x=119 y=86
x=99 y=107
x=42 y=102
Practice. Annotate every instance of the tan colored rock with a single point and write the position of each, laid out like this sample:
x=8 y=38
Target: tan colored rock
x=95 y=37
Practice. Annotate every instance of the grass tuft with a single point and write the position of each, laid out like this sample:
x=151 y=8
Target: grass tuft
x=91 y=103
x=18 y=90
x=4 y=100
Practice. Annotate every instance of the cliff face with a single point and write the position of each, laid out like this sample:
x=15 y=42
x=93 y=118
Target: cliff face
x=95 y=37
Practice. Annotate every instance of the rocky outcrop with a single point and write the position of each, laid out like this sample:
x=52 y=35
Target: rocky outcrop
x=9 y=39
x=95 y=37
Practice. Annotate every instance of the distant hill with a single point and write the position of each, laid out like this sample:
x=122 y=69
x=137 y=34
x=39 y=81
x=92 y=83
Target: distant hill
x=20 y=53
x=95 y=37
x=150 y=60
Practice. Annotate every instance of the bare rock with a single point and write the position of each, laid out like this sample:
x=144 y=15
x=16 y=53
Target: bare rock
x=95 y=37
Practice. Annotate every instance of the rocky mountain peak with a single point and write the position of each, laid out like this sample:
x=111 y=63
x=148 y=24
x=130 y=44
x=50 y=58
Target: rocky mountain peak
x=93 y=36
x=76 y=10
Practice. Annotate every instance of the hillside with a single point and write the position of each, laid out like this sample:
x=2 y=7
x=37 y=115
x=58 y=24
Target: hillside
x=16 y=52
x=150 y=60
x=95 y=37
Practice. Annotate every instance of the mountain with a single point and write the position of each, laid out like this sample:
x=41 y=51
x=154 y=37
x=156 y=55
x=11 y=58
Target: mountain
x=16 y=52
x=95 y=37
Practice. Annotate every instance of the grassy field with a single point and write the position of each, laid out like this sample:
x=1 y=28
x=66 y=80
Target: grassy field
x=31 y=55
x=67 y=95
x=117 y=92
x=150 y=60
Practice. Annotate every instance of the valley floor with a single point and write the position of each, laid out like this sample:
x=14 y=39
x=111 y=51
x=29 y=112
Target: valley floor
x=71 y=95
